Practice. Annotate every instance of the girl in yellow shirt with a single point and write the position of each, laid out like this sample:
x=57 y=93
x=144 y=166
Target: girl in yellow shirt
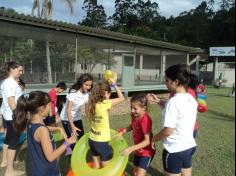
x=97 y=111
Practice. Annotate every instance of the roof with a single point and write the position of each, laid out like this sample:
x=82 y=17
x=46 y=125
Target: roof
x=17 y=18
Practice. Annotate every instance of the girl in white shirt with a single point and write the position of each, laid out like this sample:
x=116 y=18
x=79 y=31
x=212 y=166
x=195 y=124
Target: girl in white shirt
x=179 y=116
x=11 y=91
x=78 y=95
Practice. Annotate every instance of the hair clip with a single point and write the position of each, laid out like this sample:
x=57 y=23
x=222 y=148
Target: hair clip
x=26 y=95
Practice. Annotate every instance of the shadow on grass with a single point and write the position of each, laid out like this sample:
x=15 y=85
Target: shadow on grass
x=220 y=115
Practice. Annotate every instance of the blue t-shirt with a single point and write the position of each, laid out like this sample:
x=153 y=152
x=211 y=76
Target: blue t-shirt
x=39 y=165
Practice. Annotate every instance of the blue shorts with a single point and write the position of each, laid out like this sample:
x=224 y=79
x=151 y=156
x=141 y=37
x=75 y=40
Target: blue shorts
x=174 y=162
x=102 y=149
x=4 y=123
x=142 y=162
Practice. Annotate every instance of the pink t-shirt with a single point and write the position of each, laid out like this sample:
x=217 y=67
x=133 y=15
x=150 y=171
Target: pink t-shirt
x=142 y=126
x=53 y=95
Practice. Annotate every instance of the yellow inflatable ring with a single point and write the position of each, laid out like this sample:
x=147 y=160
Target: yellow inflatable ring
x=114 y=168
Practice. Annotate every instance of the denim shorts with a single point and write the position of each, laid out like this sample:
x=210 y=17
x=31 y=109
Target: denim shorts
x=174 y=162
x=102 y=149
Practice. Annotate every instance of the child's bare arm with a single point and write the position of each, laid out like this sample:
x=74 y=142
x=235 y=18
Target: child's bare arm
x=141 y=145
x=42 y=136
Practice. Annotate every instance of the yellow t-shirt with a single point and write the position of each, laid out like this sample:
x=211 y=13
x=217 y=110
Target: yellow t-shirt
x=100 y=127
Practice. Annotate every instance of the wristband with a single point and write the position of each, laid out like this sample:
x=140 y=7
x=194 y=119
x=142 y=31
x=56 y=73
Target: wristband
x=113 y=85
x=68 y=149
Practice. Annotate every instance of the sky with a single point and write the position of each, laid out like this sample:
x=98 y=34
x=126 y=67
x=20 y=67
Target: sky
x=61 y=11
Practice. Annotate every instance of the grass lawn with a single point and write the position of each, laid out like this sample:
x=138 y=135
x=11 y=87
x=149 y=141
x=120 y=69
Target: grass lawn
x=216 y=140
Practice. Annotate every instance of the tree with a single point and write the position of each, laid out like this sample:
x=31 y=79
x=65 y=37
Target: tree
x=44 y=10
x=96 y=16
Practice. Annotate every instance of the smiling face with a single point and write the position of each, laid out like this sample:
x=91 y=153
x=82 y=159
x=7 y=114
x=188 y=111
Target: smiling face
x=86 y=86
x=137 y=110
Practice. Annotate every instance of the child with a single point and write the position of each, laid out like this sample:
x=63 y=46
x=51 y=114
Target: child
x=54 y=118
x=78 y=95
x=141 y=124
x=97 y=112
x=179 y=117
x=30 y=111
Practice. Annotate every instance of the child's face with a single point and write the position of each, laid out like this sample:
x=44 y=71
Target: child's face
x=107 y=95
x=137 y=110
x=59 y=90
x=86 y=86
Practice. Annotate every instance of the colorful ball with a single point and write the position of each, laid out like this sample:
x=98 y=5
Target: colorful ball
x=108 y=74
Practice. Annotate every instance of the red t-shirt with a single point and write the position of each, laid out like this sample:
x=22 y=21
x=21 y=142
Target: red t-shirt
x=142 y=126
x=53 y=95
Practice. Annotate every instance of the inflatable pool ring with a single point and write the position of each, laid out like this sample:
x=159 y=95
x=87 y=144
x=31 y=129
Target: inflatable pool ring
x=114 y=168
x=201 y=96
x=90 y=164
x=202 y=102
x=108 y=74
x=201 y=108
x=57 y=136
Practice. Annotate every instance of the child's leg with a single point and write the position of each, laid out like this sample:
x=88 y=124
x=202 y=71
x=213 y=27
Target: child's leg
x=141 y=164
x=139 y=171
x=97 y=162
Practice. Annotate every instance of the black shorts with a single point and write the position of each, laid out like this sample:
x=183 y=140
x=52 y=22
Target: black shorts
x=102 y=149
x=12 y=136
x=49 y=120
x=142 y=162
x=174 y=162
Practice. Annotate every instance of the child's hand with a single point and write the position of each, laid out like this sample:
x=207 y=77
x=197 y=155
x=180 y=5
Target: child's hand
x=72 y=139
x=74 y=130
x=114 y=79
x=153 y=145
x=126 y=152
x=117 y=136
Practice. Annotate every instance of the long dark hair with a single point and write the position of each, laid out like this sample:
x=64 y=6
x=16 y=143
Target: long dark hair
x=181 y=73
x=80 y=81
x=6 y=68
x=27 y=106
x=97 y=96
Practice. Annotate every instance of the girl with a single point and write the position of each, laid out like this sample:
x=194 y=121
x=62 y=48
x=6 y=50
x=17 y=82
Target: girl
x=141 y=124
x=78 y=95
x=179 y=116
x=30 y=111
x=97 y=111
x=11 y=91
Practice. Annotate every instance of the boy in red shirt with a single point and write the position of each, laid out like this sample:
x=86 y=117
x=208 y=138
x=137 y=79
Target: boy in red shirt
x=53 y=117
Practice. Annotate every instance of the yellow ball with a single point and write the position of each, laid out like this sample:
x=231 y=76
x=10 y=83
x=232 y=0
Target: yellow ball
x=108 y=74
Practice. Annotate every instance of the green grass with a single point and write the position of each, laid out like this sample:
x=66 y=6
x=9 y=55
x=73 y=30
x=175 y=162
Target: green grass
x=215 y=154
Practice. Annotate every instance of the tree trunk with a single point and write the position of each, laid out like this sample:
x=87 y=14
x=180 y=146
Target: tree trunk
x=48 y=62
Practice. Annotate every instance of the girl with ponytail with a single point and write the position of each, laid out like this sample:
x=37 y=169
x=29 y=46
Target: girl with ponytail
x=179 y=116
x=97 y=111
x=31 y=109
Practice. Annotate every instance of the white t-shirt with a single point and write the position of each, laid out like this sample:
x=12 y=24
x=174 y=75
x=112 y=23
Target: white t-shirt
x=180 y=113
x=78 y=99
x=10 y=88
